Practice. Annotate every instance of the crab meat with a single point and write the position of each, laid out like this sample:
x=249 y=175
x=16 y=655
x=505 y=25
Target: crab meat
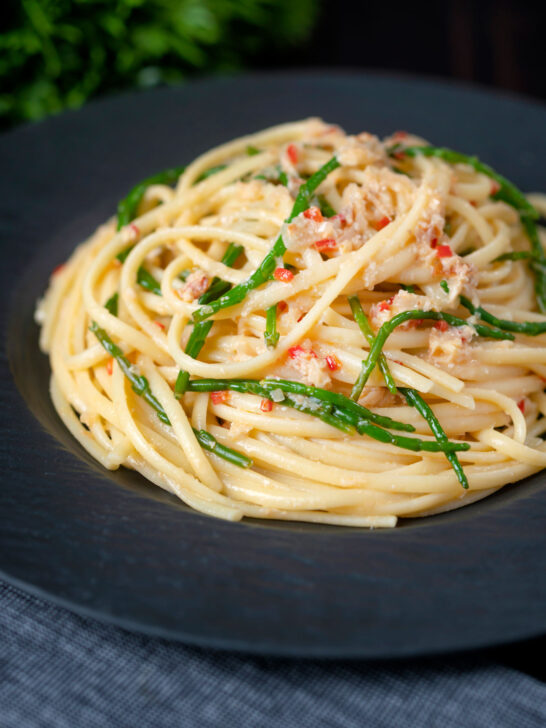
x=402 y=301
x=195 y=285
x=361 y=150
x=312 y=369
x=450 y=346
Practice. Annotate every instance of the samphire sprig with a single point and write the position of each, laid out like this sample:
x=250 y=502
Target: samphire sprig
x=141 y=386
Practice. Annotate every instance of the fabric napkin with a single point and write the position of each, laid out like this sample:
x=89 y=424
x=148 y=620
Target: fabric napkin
x=63 y=671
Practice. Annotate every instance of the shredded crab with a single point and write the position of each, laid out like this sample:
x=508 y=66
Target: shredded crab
x=449 y=344
x=313 y=370
x=194 y=286
x=384 y=311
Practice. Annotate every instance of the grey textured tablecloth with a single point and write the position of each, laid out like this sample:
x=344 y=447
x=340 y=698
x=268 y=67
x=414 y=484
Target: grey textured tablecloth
x=63 y=671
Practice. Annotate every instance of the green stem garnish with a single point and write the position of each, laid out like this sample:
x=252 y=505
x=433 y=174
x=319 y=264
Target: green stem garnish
x=364 y=325
x=209 y=172
x=141 y=386
x=530 y=328
x=218 y=286
x=210 y=443
x=111 y=304
x=127 y=208
x=271 y=335
x=193 y=348
x=201 y=330
x=216 y=289
x=514 y=255
x=414 y=399
x=139 y=383
x=147 y=281
x=325 y=207
x=335 y=398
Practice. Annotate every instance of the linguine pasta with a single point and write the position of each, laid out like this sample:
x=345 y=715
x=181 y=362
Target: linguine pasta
x=309 y=326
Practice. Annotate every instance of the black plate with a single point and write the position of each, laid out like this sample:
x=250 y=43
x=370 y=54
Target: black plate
x=114 y=547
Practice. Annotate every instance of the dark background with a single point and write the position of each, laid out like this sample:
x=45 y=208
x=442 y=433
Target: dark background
x=57 y=54
x=494 y=42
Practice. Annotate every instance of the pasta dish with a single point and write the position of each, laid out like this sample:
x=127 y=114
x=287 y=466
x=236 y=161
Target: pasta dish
x=307 y=325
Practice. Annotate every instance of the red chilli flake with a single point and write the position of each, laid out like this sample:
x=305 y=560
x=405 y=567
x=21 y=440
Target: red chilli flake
x=325 y=245
x=110 y=366
x=266 y=405
x=292 y=153
x=380 y=224
x=521 y=405
x=295 y=351
x=495 y=187
x=282 y=306
x=135 y=229
x=385 y=305
x=400 y=135
x=434 y=242
x=219 y=397
x=313 y=213
x=441 y=325
x=161 y=326
x=283 y=274
x=444 y=251
x=333 y=363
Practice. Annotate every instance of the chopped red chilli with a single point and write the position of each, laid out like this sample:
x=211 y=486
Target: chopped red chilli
x=292 y=152
x=283 y=274
x=385 y=305
x=521 y=405
x=441 y=325
x=266 y=405
x=161 y=326
x=295 y=351
x=495 y=187
x=110 y=366
x=325 y=244
x=333 y=362
x=219 y=397
x=444 y=251
x=282 y=306
x=380 y=224
x=313 y=213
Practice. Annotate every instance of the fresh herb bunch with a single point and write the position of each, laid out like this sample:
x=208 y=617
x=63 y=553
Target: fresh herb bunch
x=59 y=53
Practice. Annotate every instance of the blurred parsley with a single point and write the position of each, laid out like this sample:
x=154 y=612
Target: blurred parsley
x=58 y=53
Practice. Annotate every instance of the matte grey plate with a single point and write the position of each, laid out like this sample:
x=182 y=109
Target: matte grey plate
x=112 y=546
